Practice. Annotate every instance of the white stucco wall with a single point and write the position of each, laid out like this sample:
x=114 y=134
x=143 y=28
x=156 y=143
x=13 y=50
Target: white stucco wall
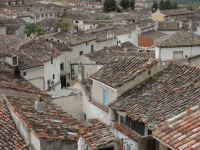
x=133 y=38
x=167 y=32
x=35 y=142
x=132 y=143
x=167 y=53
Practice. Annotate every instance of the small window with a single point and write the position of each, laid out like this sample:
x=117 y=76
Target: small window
x=86 y=43
x=105 y=98
x=48 y=83
x=76 y=21
x=92 y=48
x=14 y=60
x=140 y=50
x=68 y=76
x=62 y=67
x=149 y=72
x=51 y=61
x=53 y=76
x=81 y=53
x=85 y=117
x=149 y=132
x=178 y=54
x=147 y=50
x=58 y=41
x=24 y=73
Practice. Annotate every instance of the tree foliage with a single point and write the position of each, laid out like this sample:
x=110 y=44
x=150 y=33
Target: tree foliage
x=33 y=28
x=98 y=1
x=132 y=4
x=154 y=6
x=65 y=24
x=97 y=18
x=167 y=5
x=109 y=5
x=124 y=4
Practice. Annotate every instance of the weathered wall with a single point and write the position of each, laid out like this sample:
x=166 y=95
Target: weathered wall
x=195 y=60
x=132 y=143
x=70 y=104
x=54 y=144
x=144 y=41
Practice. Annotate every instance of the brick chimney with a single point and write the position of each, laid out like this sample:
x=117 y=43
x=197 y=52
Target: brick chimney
x=80 y=72
x=39 y=104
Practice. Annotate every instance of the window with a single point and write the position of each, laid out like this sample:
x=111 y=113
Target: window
x=51 y=61
x=14 y=60
x=147 y=50
x=85 y=117
x=149 y=132
x=24 y=73
x=62 y=67
x=105 y=98
x=81 y=53
x=48 y=83
x=68 y=76
x=140 y=50
x=53 y=76
x=178 y=54
x=76 y=21
x=149 y=72
x=92 y=48
x=58 y=41
x=86 y=43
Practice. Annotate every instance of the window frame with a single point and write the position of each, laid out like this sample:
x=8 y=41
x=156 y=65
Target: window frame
x=104 y=103
x=14 y=61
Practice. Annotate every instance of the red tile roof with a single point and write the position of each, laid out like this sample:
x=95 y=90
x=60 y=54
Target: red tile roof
x=174 y=12
x=7 y=80
x=51 y=124
x=104 y=108
x=182 y=131
x=87 y=86
x=10 y=137
x=120 y=70
x=97 y=135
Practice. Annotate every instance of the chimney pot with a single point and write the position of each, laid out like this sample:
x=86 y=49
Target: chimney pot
x=39 y=104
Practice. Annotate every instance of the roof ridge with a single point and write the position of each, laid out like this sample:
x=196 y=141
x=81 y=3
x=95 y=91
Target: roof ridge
x=168 y=38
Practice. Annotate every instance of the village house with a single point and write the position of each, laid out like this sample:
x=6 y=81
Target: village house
x=15 y=27
x=177 y=45
x=38 y=63
x=19 y=3
x=171 y=14
x=159 y=98
x=144 y=3
x=181 y=131
x=10 y=13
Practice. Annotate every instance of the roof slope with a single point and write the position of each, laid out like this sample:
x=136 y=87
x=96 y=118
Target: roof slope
x=178 y=39
x=87 y=86
x=173 y=12
x=167 y=25
x=153 y=34
x=121 y=69
x=168 y=93
x=7 y=80
x=51 y=124
x=182 y=131
x=10 y=137
x=97 y=135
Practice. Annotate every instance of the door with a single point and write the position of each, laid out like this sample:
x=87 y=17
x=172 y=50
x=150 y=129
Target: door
x=151 y=144
x=105 y=98
x=63 y=81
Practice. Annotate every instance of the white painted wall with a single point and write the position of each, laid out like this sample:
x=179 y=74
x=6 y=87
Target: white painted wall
x=35 y=142
x=167 y=32
x=132 y=143
x=167 y=53
x=3 y=30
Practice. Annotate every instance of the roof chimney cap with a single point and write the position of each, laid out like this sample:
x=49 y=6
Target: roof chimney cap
x=39 y=104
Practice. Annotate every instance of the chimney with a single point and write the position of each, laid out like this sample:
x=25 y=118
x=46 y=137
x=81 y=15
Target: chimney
x=125 y=49
x=198 y=30
x=17 y=73
x=59 y=29
x=51 y=44
x=27 y=9
x=149 y=23
x=39 y=104
x=190 y=24
x=180 y=24
x=80 y=72
x=40 y=9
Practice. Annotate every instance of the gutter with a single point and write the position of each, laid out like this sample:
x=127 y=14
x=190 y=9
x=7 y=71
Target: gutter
x=104 y=84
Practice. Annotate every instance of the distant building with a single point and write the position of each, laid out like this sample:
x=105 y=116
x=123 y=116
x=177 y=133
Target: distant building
x=144 y=3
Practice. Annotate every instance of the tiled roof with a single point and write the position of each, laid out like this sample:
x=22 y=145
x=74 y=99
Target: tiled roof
x=8 y=41
x=95 y=55
x=51 y=124
x=122 y=69
x=96 y=121
x=167 y=25
x=153 y=34
x=174 y=12
x=97 y=135
x=128 y=45
x=10 y=137
x=82 y=2
x=13 y=24
x=178 y=39
x=9 y=13
x=166 y=94
x=87 y=86
x=127 y=131
x=7 y=80
x=181 y=131
x=34 y=53
x=76 y=16
x=114 y=54
x=104 y=108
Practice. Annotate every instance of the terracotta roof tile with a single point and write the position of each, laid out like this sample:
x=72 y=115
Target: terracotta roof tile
x=153 y=34
x=87 y=86
x=174 y=12
x=104 y=108
x=167 y=25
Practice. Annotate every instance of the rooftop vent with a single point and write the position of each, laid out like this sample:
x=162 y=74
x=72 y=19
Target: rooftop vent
x=39 y=104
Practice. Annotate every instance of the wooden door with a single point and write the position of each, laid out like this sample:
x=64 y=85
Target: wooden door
x=151 y=144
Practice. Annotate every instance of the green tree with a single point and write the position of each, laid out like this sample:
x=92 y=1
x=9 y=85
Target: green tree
x=132 y=4
x=98 y=1
x=109 y=5
x=167 y=4
x=154 y=6
x=175 y=6
x=33 y=28
x=97 y=18
x=65 y=24
x=124 y=4
x=161 y=5
x=107 y=18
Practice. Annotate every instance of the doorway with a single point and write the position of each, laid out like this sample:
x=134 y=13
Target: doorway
x=151 y=144
x=63 y=81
